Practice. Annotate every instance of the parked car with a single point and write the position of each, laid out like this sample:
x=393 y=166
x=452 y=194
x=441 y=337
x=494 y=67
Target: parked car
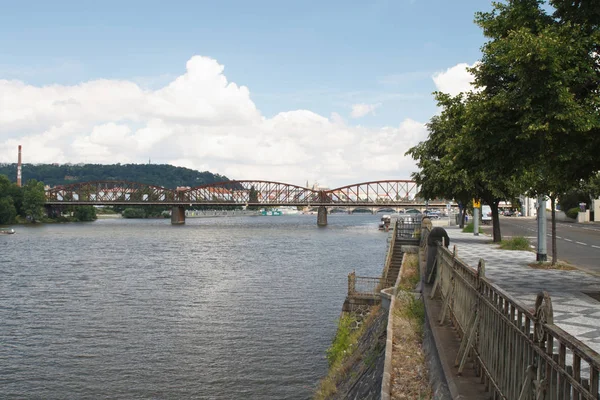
x=432 y=214
x=486 y=214
x=508 y=213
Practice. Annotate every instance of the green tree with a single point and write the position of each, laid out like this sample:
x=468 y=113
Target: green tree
x=8 y=212
x=33 y=200
x=540 y=73
x=253 y=198
x=85 y=213
x=439 y=175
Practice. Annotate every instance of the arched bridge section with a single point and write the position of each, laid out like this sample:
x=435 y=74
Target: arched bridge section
x=262 y=193
x=386 y=193
x=110 y=193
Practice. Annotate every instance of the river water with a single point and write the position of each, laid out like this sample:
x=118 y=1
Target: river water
x=220 y=308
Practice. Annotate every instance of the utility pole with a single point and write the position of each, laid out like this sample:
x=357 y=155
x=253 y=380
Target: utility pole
x=542 y=253
x=476 y=210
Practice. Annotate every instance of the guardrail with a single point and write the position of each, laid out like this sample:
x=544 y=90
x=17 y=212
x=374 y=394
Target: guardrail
x=408 y=227
x=517 y=352
x=390 y=251
x=365 y=286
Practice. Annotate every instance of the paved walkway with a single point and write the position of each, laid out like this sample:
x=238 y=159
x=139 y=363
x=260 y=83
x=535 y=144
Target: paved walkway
x=575 y=312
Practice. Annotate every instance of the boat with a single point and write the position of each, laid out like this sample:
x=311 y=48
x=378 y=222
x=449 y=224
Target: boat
x=384 y=225
x=270 y=212
x=288 y=210
x=6 y=231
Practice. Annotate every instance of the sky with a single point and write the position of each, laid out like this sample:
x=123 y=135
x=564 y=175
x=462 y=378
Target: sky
x=330 y=92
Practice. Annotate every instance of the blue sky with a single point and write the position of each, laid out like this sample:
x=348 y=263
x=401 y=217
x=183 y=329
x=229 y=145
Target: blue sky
x=321 y=56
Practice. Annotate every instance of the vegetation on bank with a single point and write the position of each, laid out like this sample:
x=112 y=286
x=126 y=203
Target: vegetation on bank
x=531 y=125
x=344 y=353
x=164 y=175
x=26 y=205
x=409 y=377
x=145 y=212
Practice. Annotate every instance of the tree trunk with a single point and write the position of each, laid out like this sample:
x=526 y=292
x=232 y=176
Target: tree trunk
x=554 y=252
x=461 y=217
x=495 y=222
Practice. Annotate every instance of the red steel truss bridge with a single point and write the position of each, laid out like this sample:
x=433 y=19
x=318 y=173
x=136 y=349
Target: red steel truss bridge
x=390 y=193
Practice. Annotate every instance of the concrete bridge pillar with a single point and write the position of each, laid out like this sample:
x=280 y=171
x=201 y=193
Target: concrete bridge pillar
x=322 y=216
x=178 y=215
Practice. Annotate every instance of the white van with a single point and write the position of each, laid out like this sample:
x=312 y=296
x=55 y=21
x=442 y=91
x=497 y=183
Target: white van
x=486 y=214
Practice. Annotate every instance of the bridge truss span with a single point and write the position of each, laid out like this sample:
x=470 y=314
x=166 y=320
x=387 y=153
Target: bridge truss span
x=235 y=193
x=393 y=192
x=110 y=192
x=250 y=192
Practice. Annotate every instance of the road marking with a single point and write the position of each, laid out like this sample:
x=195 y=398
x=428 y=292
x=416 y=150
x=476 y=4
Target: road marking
x=559 y=237
x=585 y=244
x=568 y=240
x=596 y=247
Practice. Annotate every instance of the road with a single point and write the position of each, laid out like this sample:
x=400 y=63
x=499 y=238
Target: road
x=577 y=244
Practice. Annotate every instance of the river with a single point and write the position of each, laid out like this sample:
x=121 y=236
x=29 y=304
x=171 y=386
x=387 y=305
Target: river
x=220 y=308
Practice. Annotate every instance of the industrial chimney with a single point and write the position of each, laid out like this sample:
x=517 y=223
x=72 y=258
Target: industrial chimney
x=19 y=169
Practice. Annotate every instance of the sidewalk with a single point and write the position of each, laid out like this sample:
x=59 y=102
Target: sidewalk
x=575 y=312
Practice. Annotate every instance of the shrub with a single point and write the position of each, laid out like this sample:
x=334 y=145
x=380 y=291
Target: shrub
x=469 y=228
x=572 y=212
x=516 y=243
x=133 y=213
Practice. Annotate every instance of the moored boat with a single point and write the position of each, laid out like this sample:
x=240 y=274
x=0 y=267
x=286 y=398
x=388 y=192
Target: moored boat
x=384 y=225
x=270 y=212
x=6 y=231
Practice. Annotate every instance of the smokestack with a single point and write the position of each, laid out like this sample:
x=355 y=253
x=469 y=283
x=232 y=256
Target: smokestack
x=19 y=169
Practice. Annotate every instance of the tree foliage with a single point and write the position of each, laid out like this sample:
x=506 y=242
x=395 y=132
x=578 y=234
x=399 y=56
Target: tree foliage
x=8 y=212
x=85 y=213
x=34 y=198
x=253 y=198
x=159 y=175
x=532 y=123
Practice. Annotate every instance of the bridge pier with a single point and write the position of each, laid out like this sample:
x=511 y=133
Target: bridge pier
x=322 y=216
x=178 y=215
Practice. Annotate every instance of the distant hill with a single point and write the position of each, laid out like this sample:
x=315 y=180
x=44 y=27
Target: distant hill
x=151 y=174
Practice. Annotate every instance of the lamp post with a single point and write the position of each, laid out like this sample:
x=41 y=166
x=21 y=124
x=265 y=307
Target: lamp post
x=542 y=253
x=476 y=205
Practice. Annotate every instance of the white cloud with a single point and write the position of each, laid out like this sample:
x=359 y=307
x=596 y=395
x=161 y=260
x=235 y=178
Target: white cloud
x=455 y=79
x=198 y=120
x=360 y=110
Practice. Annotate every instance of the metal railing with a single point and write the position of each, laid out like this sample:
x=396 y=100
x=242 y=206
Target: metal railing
x=517 y=352
x=390 y=251
x=408 y=227
x=365 y=286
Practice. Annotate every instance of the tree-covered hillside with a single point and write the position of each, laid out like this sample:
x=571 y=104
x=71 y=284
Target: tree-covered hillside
x=151 y=174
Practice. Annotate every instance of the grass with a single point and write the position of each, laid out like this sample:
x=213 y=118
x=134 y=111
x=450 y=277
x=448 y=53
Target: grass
x=516 y=243
x=410 y=273
x=410 y=378
x=548 y=265
x=343 y=340
x=341 y=354
x=470 y=228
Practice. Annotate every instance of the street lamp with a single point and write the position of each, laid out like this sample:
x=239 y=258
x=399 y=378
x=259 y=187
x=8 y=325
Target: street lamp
x=542 y=253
